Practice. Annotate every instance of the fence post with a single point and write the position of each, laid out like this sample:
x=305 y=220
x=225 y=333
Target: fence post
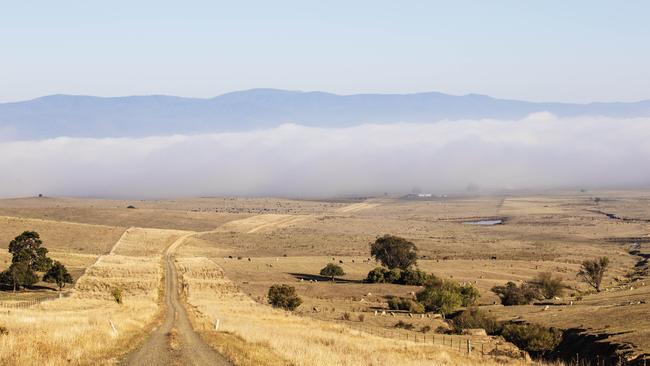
x=469 y=346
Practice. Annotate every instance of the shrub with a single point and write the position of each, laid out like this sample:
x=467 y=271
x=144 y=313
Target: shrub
x=284 y=297
x=332 y=270
x=362 y=318
x=346 y=316
x=469 y=294
x=511 y=294
x=377 y=275
x=547 y=285
x=3 y=330
x=404 y=325
x=394 y=252
x=441 y=299
x=393 y=275
x=473 y=318
x=409 y=305
x=593 y=271
x=414 y=277
x=117 y=295
x=425 y=329
x=532 y=338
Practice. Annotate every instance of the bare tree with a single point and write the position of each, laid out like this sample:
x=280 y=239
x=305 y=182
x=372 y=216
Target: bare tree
x=593 y=271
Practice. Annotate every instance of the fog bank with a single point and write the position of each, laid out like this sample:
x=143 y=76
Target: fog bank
x=541 y=151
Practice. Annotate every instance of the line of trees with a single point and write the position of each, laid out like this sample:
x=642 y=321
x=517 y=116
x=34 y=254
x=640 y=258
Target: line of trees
x=29 y=256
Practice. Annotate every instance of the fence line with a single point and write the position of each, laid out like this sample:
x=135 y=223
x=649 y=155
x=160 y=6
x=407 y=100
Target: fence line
x=24 y=304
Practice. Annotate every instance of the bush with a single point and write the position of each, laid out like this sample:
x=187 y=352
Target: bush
x=332 y=270
x=441 y=299
x=409 y=305
x=593 y=271
x=117 y=295
x=547 y=285
x=284 y=297
x=473 y=318
x=3 y=330
x=414 y=277
x=346 y=316
x=392 y=275
x=404 y=325
x=377 y=275
x=362 y=318
x=394 y=252
x=511 y=294
x=469 y=295
x=532 y=338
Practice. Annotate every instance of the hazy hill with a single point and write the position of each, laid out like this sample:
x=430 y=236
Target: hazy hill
x=66 y=115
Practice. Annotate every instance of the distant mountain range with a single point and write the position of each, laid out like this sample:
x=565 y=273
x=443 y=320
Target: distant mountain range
x=135 y=116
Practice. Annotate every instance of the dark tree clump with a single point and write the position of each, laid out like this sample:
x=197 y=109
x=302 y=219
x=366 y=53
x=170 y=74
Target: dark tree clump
x=284 y=297
x=394 y=252
x=332 y=270
x=26 y=248
x=19 y=275
x=58 y=274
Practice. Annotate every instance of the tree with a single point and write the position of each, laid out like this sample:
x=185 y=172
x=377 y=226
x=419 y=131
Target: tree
x=394 y=252
x=331 y=270
x=593 y=271
x=284 y=297
x=27 y=248
x=19 y=275
x=58 y=274
x=548 y=286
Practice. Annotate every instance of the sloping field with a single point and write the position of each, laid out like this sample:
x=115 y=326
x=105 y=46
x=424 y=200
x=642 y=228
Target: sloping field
x=62 y=236
x=90 y=327
x=289 y=339
x=262 y=223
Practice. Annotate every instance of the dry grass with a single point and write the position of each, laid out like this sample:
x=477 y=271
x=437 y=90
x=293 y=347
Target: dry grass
x=295 y=339
x=62 y=236
x=78 y=330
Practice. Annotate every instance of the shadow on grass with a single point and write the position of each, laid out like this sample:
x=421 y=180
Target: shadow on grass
x=319 y=278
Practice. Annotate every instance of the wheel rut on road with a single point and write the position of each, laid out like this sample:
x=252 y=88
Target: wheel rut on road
x=174 y=342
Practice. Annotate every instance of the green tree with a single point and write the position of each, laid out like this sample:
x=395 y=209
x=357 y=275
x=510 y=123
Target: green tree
x=27 y=248
x=284 y=297
x=58 y=274
x=593 y=271
x=394 y=252
x=19 y=275
x=332 y=270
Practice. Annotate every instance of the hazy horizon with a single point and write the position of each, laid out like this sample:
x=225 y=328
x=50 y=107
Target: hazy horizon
x=539 y=152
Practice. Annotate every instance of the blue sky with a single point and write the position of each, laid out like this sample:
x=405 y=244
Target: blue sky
x=576 y=51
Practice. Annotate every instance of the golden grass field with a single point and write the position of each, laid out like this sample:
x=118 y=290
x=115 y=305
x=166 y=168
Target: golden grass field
x=106 y=245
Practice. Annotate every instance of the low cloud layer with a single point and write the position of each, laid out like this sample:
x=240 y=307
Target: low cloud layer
x=541 y=151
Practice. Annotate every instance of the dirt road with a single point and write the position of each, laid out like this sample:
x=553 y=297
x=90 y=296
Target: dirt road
x=174 y=342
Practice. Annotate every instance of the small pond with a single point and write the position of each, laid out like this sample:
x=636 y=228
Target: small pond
x=484 y=222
